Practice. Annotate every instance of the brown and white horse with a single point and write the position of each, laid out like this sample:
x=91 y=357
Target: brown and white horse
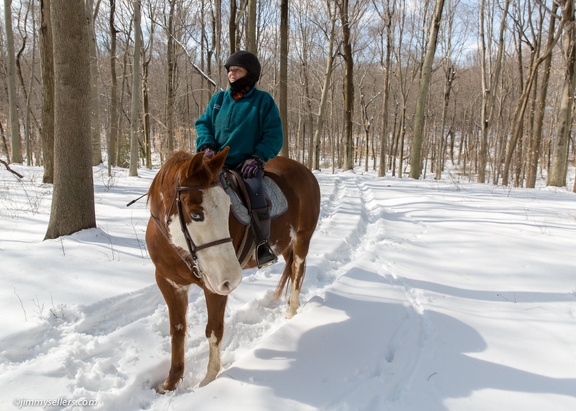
x=192 y=239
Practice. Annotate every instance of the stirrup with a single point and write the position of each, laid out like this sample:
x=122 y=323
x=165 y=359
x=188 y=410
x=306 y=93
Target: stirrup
x=265 y=255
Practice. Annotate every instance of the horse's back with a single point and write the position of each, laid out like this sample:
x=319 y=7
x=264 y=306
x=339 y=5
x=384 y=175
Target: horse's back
x=294 y=177
x=300 y=186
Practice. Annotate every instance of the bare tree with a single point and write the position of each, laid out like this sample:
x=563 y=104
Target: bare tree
x=522 y=103
x=28 y=116
x=12 y=103
x=416 y=154
x=535 y=141
x=386 y=15
x=305 y=44
x=559 y=167
x=449 y=76
x=170 y=76
x=330 y=55
x=147 y=55
x=136 y=91
x=367 y=118
x=218 y=39
x=490 y=80
x=348 y=84
x=113 y=107
x=284 y=74
x=73 y=195
x=4 y=142
x=404 y=58
x=233 y=26
x=46 y=57
x=502 y=125
x=91 y=13
x=251 y=26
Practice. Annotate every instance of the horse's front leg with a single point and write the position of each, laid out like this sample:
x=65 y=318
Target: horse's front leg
x=176 y=297
x=216 y=305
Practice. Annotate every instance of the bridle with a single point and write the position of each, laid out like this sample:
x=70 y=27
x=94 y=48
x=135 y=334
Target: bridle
x=193 y=249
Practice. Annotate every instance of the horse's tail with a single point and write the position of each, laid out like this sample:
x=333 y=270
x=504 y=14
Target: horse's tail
x=286 y=274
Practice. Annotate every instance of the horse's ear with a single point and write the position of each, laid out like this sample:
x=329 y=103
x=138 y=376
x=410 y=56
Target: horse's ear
x=217 y=162
x=195 y=165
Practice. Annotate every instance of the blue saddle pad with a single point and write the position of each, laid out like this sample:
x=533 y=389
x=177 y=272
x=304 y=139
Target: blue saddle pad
x=272 y=192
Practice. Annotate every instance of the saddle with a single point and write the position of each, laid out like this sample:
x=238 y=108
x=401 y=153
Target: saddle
x=241 y=208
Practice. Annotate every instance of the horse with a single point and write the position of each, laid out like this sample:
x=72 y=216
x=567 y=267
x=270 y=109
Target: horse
x=192 y=238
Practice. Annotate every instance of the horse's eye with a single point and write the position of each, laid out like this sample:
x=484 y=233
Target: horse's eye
x=197 y=217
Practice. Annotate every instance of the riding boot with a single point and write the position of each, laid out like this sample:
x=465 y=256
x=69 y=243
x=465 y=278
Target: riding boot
x=261 y=224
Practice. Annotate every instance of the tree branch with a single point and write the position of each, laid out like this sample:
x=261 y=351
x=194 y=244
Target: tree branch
x=9 y=169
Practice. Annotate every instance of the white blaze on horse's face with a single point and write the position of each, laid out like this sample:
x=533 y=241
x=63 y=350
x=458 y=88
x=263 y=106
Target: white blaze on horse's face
x=221 y=270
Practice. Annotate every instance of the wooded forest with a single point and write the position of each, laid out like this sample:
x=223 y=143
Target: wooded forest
x=397 y=86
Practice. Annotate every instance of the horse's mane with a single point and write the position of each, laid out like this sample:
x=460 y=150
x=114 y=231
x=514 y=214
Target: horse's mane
x=178 y=169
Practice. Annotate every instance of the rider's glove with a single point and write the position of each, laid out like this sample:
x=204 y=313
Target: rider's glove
x=251 y=166
x=208 y=150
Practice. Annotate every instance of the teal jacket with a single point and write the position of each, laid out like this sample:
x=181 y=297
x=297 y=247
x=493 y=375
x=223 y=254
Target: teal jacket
x=250 y=126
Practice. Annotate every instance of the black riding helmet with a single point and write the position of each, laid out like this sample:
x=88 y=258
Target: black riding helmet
x=250 y=62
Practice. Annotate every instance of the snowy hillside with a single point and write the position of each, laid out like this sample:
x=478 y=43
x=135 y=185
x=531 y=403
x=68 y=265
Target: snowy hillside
x=419 y=296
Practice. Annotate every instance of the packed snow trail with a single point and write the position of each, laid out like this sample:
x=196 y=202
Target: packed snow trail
x=419 y=295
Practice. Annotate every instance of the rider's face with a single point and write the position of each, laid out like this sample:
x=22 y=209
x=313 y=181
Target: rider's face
x=235 y=72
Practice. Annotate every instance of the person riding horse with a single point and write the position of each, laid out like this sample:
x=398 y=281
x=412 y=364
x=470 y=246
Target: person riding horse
x=247 y=120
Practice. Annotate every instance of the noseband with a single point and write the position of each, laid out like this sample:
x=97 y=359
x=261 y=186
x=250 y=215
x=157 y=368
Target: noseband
x=192 y=248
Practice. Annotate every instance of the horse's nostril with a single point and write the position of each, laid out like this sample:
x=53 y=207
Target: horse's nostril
x=226 y=285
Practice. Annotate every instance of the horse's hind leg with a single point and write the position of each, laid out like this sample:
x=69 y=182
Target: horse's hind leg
x=216 y=305
x=297 y=267
x=176 y=297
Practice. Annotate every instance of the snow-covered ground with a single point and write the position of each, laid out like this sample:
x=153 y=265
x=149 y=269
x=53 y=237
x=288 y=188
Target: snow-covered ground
x=419 y=296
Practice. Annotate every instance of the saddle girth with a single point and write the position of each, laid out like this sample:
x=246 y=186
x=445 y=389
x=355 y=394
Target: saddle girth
x=235 y=182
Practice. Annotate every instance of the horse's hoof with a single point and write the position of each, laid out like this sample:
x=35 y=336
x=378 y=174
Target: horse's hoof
x=207 y=380
x=292 y=311
x=165 y=387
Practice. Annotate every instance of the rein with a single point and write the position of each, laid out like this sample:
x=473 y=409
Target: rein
x=193 y=249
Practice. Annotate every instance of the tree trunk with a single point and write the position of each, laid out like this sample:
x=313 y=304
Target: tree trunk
x=171 y=74
x=232 y=26
x=113 y=133
x=386 y=66
x=251 y=26
x=218 y=41
x=441 y=152
x=94 y=99
x=325 y=87
x=136 y=92
x=416 y=155
x=559 y=168
x=14 y=124
x=522 y=103
x=285 y=151
x=4 y=142
x=47 y=65
x=367 y=125
x=308 y=135
x=449 y=77
x=122 y=143
x=348 y=85
x=536 y=139
x=28 y=132
x=73 y=195
x=145 y=97
x=489 y=85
